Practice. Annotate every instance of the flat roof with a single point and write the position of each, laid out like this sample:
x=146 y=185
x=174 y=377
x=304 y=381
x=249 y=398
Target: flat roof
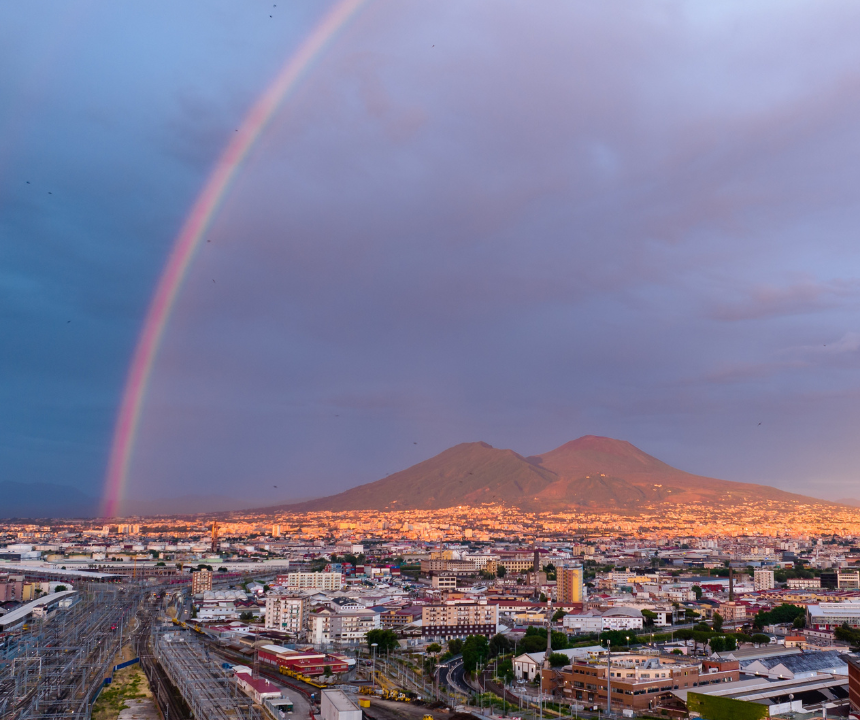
x=340 y=701
x=19 y=614
x=84 y=574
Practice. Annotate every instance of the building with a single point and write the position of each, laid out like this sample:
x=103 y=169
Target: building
x=512 y=566
x=287 y=613
x=763 y=580
x=733 y=612
x=201 y=581
x=399 y=618
x=829 y=616
x=276 y=531
x=853 y=682
x=335 y=705
x=349 y=627
x=796 y=666
x=445 y=581
x=458 y=567
x=595 y=621
x=570 y=588
x=457 y=618
x=638 y=682
x=314 y=580
x=803 y=583
x=305 y=663
x=528 y=665
x=258 y=688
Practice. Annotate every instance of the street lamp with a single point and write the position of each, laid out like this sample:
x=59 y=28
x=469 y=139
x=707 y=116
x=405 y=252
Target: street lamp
x=373 y=647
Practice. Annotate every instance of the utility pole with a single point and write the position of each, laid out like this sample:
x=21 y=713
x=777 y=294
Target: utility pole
x=608 y=677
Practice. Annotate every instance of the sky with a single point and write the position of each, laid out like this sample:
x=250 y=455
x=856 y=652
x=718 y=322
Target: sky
x=511 y=222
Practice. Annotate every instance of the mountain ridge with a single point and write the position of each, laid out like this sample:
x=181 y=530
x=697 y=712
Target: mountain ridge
x=590 y=472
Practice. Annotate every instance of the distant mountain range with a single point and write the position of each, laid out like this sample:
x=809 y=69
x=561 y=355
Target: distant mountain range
x=591 y=472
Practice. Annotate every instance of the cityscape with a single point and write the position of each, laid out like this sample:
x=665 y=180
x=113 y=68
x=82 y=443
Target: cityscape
x=374 y=360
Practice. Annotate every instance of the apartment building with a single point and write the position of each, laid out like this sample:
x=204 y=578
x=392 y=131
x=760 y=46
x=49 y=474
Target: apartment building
x=459 y=567
x=287 y=613
x=201 y=581
x=763 y=580
x=445 y=581
x=637 y=682
x=803 y=583
x=512 y=566
x=594 y=621
x=458 y=618
x=733 y=612
x=570 y=588
x=314 y=580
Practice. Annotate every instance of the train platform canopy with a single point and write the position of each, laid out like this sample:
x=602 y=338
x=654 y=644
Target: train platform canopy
x=20 y=615
x=60 y=573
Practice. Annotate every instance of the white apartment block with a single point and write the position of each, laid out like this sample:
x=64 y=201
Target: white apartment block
x=347 y=628
x=287 y=613
x=763 y=580
x=459 y=619
x=317 y=581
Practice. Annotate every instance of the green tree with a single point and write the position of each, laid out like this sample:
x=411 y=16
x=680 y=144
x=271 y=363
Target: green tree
x=649 y=616
x=718 y=622
x=697 y=591
x=246 y=616
x=760 y=638
x=455 y=646
x=799 y=622
x=786 y=613
x=558 y=615
x=60 y=588
x=434 y=648
x=558 y=660
x=386 y=640
x=501 y=571
x=499 y=645
x=475 y=650
x=618 y=638
x=327 y=671
x=717 y=643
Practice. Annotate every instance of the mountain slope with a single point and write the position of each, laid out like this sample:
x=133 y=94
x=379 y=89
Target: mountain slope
x=590 y=472
x=466 y=474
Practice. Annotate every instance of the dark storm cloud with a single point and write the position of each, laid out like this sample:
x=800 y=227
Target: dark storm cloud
x=631 y=220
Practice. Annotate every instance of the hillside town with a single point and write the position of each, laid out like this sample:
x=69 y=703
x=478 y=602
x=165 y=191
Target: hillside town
x=649 y=613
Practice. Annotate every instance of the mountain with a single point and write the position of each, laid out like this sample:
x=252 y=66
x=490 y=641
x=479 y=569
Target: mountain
x=591 y=472
x=44 y=500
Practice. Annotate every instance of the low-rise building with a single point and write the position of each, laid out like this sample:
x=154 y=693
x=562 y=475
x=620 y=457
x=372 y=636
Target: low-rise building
x=595 y=621
x=638 y=682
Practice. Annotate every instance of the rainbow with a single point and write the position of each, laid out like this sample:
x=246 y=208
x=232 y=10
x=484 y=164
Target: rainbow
x=192 y=232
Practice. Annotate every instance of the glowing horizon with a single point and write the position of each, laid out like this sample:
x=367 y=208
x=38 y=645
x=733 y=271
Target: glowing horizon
x=194 y=228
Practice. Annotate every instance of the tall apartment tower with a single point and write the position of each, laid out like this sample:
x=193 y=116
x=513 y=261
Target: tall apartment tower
x=570 y=587
x=763 y=580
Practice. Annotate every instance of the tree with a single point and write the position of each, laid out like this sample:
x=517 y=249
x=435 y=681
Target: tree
x=558 y=660
x=220 y=569
x=781 y=614
x=799 y=622
x=60 y=588
x=618 y=638
x=246 y=616
x=434 y=648
x=429 y=665
x=731 y=643
x=501 y=571
x=455 y=646
x=761 y=638
x=718 y=622
x=327 y=671
x=499 y=645
x=717 y=643
x=161 y=564
x=558 y=615
x=697 y=591
x=386 y=640
x=649 y=616
x=475 y=650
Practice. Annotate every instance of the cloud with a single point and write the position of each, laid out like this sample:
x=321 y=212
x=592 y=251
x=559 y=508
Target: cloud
x=767 y=301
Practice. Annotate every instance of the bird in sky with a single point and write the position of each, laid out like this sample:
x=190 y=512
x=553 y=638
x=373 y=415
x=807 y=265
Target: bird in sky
x=415 y=443
x=68 y=321
x=274 y=486
x=759 y=423
x=28 y=182
x=50 y=193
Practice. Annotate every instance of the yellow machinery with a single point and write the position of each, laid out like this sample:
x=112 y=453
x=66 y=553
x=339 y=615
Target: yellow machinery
x=364 y=702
